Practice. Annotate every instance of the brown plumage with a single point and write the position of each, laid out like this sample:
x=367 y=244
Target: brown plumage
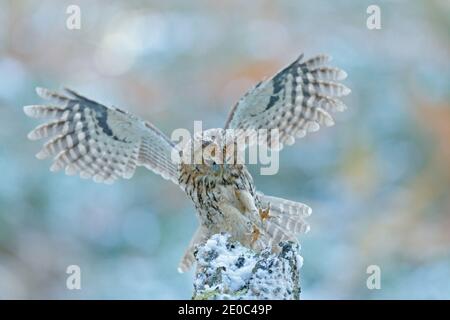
x=105 y=143
x=226 y=201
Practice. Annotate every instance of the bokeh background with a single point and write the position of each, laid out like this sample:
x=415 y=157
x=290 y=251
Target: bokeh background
x=378 y=181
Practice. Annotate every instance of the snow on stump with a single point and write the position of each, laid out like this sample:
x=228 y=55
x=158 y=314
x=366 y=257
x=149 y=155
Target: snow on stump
x=227 y=270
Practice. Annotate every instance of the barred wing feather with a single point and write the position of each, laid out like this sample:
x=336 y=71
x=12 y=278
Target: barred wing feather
x=298 y=99
x=97 y=141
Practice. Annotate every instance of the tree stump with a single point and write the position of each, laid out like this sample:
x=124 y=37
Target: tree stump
x=228 y=271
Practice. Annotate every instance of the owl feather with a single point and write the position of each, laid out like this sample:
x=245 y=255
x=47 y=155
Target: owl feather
x=106 y=143
x=296 y=100
x=98 y=142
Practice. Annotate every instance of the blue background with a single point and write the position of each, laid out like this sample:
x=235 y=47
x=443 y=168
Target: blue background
x=378 y=181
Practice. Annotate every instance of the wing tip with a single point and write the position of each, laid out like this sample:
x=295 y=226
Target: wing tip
x=29 y=110
x=308 y=211
x=312 y=126
x=346 y=90
x=307 y=229
x=329 y=122
x=32 y=135
x=325 y=57
x=41 y=155
x=342 y=75
x=56 y=166
x=42 y=92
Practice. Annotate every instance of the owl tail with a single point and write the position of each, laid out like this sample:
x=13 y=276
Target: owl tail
x=188 y=258
x=284 y=219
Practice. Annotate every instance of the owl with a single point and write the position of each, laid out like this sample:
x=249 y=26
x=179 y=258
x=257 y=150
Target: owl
x=106 y=143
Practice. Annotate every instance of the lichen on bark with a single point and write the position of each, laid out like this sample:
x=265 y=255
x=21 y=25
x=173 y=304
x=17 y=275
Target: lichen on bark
x=228 y=270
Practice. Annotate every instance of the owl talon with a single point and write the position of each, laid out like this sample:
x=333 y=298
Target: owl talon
x=264 y=214
x=255 y=235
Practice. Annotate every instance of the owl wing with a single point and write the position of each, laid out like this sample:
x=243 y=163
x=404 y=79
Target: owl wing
x=296 y=100
x=99 y=142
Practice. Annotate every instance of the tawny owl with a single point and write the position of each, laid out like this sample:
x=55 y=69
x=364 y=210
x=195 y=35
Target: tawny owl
x=105 y=143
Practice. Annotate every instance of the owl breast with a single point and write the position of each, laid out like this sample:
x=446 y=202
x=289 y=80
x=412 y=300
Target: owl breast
x=210 y=192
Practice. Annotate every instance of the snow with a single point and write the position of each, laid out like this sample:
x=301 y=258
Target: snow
x=227 y=270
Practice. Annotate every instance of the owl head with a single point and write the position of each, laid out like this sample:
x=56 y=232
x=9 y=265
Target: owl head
x=209 y=151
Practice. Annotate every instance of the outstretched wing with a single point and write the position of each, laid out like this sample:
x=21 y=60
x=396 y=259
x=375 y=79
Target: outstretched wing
x=99 y=142
x=296 y=100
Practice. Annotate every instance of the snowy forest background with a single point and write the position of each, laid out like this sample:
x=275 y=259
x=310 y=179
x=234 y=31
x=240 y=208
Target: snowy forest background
x=378 y=181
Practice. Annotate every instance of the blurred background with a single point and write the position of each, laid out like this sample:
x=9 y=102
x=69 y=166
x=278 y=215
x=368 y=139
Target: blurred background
x=378 y=181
